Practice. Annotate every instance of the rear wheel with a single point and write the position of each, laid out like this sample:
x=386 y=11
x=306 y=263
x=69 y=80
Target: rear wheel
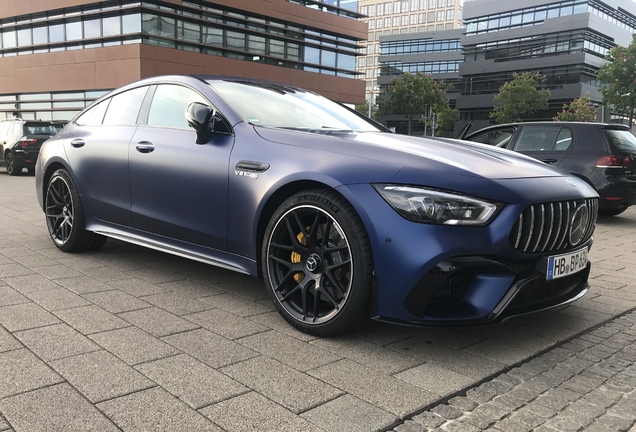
x=612 y=211
x=318 y=264
x=65 y=217
x=10 y=165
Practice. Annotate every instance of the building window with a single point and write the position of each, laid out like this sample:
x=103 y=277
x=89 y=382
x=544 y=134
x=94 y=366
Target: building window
x=450 y=14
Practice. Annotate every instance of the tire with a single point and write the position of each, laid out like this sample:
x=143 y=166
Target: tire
x=612 y=211
x=10 y=165
x=65 y=218
x=321 y=284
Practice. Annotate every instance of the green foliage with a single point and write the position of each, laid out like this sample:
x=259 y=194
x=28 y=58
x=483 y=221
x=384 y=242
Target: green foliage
x=409 y=93
x=364 y=109
x=520 y=97
x=619 y=79
x=580 y=110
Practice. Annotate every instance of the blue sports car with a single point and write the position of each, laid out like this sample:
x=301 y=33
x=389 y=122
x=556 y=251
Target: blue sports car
x=344 y=220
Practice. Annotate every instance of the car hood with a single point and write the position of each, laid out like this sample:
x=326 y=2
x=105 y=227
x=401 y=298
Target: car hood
x=443 y=155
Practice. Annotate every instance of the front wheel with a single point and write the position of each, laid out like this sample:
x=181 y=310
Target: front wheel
x=317 y=263
x=10 y=165
x=65 y=217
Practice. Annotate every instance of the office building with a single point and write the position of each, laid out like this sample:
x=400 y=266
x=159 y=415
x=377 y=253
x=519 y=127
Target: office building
x=57 y=56
x=401 y=17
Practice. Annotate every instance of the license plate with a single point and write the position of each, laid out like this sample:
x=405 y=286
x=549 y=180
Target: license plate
x=564 y=265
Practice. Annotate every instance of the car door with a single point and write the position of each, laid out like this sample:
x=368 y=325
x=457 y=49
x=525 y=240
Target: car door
x=179 y=188
x=4 y=136
x=97 y=149
x=548 y=143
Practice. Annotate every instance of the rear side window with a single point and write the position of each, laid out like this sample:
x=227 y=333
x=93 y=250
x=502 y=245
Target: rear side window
x=621 y=139
x=124 y=107
x=544 y=138
x=94 y=116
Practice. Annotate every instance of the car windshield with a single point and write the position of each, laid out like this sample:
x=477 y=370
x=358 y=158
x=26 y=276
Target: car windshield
x=622 y=139
x=40 y=129
x=274 y=105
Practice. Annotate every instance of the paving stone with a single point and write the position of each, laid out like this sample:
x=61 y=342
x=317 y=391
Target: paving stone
x=9 y=296
x=542 y=383
x=447 y=412
x=582 y=384
x=9 y=270
x=523 y=394
x=56 y=271
x=348 y=413
x=56 y=299
x=177 y=303
x=508 y=401
x=191 y=288
x=527 y=417
x=22 y=371
x=508 y=379
x=522 y=373
x=210 y=348
x=7 y=341
x=463 y=403
x=237 y=305
x=480 y=394
x=595 y=427
x=593 y=398
x=146 y=348
x=30 y=283
x=138 y=287
x=582 y=412
x=25 y=316
x=541 y=410
x=193 y=382
x=105 y=273
x=226 y=324
x=116 y=301
x=91 y=319
x=83 y=285
x=563 y=424
x=429 y=420
x=282 y=384
x=510 y=425
x=288 y=350
x=157 y=322
x=274 y=321
x=156 y=276
x=460 y=426
x=410 y=426
x=252 y=412
x=498 y=387
x=55 y=408
x=154 y=410
x=56 y=341
x=435 y=379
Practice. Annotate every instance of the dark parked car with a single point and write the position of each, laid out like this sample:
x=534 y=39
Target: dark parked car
x=343 y=220
x=604 y=155
x=20 y=142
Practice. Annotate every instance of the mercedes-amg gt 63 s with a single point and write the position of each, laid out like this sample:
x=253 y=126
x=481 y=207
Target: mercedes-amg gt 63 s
x=343 y=220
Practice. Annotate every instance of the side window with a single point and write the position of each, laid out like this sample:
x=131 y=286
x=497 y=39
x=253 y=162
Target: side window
x=4 y=129
x=564 y=140
x=94 y=116
x=16 y=129
x=169 y=106
x=124 y=107
x=537 y=138
x=497 y=138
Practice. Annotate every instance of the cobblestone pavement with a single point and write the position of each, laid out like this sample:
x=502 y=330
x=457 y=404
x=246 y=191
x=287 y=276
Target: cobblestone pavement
x=126 y=338
x=588 y=383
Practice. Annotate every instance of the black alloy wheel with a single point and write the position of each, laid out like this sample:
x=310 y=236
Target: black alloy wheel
x=65 y=217
x=9 y=163
x=318 y=264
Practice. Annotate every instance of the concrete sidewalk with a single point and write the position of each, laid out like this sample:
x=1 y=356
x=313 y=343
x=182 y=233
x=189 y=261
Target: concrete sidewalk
x=127 y=338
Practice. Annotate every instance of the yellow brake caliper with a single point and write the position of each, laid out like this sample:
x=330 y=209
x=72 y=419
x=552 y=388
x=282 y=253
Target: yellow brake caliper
x=295 y=256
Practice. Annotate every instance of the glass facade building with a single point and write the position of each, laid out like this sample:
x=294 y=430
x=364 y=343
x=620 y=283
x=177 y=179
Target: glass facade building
x=200 y=27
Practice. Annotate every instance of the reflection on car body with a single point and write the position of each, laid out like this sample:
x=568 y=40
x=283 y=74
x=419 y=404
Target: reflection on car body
x=342 y=219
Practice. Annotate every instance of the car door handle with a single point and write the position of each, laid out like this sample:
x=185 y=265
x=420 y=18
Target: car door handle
x=77 y=143
x=145 y=147
x=548 y=160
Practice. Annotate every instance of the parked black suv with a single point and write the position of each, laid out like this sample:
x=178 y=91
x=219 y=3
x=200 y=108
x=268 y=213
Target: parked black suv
x=20 y=142
x=602 y=154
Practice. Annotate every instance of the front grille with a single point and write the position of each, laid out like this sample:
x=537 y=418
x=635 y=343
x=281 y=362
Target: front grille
x=546 y=227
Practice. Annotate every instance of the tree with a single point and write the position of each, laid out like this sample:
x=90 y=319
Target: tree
x=520 y=97
x=409 y=93
x=619 y=79
x=580 y=109
x=364 y=109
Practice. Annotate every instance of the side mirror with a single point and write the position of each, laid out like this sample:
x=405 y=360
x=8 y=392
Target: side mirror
x=200 y=117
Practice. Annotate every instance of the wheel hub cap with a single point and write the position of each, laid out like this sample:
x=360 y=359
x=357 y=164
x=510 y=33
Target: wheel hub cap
x=314 y=263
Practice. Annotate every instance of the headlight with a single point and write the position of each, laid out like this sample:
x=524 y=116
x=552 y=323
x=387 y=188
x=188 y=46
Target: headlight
x=433 y=206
